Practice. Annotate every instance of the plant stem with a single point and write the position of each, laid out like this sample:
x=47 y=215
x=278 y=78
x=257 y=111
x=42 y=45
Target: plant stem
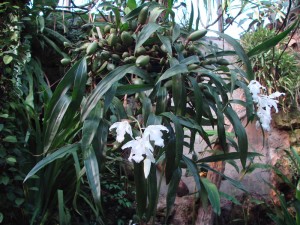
x=158 y=191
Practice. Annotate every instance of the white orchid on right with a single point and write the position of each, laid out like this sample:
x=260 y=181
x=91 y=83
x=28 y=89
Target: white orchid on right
x=141 y=147
x=264 y=103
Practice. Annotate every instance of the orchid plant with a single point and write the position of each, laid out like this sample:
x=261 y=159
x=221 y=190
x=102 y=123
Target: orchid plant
x=142 y=147
x=264 y=103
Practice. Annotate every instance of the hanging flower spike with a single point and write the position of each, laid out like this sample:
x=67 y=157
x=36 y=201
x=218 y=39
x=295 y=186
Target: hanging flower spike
x=121 y=128
x=255 y=87
x=154 y=133
x=265 y=118
x=264 y=104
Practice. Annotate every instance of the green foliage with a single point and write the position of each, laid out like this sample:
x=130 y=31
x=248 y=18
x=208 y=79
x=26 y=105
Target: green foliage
x=61 y=135
x=287 y=212
x=275 y=68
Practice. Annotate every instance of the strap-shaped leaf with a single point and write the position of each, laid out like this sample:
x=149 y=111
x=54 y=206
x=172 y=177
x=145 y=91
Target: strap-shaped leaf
x=179 y=136
x=90 y=126
x=239 y=132
x=272 y=42
x=172 y=190
x=161 y=103
x=213 y=195
x=166 y=42
x=174 y=70
x=192 y=167
x=235 y=183
x=55 y=119
x=104 y=85
x=78 y=69
x=240 y=52
x=189 y=60
x=154 y=13
x=227 y=156
x=92 y=173
x=141 y=188
x=145 y=33
x=170 y=154
x=133 y=88
x=179 y=94
x=152 y=192
x=198 y=99
x=175 y=32
x=58 y=154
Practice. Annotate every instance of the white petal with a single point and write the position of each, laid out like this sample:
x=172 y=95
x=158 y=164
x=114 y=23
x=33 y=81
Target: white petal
x=147 y=167
x=121 y=128
x=276 y=94
x=154 y=133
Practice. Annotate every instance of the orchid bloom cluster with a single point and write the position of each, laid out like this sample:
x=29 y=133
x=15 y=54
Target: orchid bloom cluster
x=264 y=103
x=141 y=147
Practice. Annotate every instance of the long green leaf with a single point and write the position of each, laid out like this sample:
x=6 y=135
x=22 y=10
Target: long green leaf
x=90 y=126
x=56 y=35
x=179 y=136
x=170 y=154
x=177 y=69
x=192 y=167
x=92 y=173
x=105 y=84
x=272 y=42
x=154 y=14
x=240 y=52
x=55 y=120
x=145 y=33
x=141 y=188
x=213 y=195
x=227 y=156
x=166 y=42
x=60 y=153
x=65 y=84
x=172 y=190
x=240 y=134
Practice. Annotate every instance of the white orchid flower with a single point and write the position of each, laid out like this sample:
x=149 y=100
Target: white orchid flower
x=141 y=149
x=264 y=104
x=122 y=128
x=264 y=114
x=255 y=87
x=154 y=133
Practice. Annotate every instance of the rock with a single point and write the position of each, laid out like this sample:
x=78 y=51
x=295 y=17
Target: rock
x=295 y=137
x=287 y=121
x=182 y=189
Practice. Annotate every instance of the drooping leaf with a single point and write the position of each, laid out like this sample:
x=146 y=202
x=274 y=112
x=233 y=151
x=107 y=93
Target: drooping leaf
x=240 y=52
x=239 y=132
x=192 y=167
x=272 y=42
x=179 y=136
x=213 y=195
x=92 y=173
x=65 y=84
x=172 y=190
x=154 y=14
x=145 y=33
x=103 y=86
x=90 y=126
x=172 y=71
x=55 y=119
x=227 y=156
x=60 y=153
x=166 y=42
x=141 y=188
